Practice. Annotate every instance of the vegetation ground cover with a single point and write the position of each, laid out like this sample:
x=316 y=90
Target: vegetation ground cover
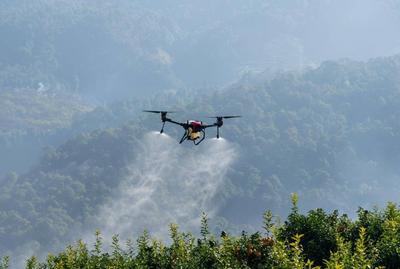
x=314 y=240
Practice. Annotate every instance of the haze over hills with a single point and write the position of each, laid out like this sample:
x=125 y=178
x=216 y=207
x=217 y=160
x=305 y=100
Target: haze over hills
x=113 y=50
x=32 y=119
x=107 y=52
x=331 y=134
x=317 y=83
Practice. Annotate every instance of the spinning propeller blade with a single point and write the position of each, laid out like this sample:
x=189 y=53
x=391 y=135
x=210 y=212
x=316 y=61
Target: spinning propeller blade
x=225 y=117
x=158 y=111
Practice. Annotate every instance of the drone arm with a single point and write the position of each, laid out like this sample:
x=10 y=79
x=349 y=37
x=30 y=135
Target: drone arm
x=184 y=125
x=210 y=125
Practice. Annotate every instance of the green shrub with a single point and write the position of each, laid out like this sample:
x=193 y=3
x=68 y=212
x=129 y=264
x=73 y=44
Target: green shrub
x=315 y=240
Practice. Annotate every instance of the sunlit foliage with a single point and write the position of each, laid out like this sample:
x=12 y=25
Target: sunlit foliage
x=342 y=244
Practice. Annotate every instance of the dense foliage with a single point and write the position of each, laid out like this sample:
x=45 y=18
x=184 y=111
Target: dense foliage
x=313 y=240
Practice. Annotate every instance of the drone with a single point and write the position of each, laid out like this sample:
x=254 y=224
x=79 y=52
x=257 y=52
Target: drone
x=194 y=129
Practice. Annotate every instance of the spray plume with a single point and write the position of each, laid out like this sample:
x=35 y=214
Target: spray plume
x=167 y=183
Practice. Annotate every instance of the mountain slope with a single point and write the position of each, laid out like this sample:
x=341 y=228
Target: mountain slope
x=330 y=133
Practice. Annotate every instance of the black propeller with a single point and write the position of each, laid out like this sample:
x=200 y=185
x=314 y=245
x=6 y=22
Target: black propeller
x=224 y=117
x=159 y=111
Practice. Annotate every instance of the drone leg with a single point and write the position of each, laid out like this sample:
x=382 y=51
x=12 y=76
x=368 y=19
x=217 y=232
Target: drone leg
x=162 y=128
x=217 y=132
x=183 y=138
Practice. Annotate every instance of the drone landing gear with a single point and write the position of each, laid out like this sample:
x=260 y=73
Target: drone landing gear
x=162 y=128
x=217 y=132
x=184 y=137
x=203 y=137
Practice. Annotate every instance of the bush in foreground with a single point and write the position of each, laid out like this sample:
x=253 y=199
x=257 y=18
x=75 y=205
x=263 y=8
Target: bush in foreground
x=314 y=240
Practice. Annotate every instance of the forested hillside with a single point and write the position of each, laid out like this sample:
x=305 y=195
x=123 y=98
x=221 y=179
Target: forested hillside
x=65 y=188
x=330 y=133
x=32 y=119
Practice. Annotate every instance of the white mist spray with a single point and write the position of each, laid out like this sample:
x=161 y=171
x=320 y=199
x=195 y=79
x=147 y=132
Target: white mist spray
x=167 y=183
